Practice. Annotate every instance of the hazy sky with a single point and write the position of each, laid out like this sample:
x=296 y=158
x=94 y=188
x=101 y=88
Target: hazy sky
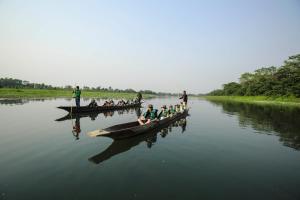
x=163 y=45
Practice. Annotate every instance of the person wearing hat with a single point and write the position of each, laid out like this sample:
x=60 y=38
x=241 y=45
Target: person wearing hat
x=164 y=112
x=148 y=116
x=172 y=111
x=93 y=103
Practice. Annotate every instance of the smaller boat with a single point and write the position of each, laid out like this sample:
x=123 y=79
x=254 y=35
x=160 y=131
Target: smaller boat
x=131 y=129
x=94 y=115
x=88 y=109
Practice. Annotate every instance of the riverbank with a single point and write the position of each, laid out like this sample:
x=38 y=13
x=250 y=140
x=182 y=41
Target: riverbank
x=48 y=93
x=280 y=101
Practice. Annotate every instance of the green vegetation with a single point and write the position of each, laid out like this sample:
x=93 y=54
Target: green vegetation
x=38 y=93
x=16 y=88
x=280 y=101
x=283 y=81
x=21 y=84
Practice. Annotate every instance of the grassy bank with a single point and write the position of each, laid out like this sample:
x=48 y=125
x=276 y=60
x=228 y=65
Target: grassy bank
x=45 y=93
x=286 y=101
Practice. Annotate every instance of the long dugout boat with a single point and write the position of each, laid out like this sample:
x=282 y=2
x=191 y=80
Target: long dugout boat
x=131 y=129
x=88 y=109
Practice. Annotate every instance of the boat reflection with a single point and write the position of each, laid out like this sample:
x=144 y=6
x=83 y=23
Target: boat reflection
x=94 y=115
x=150 y=138
x=77 y=116
x=282 y=121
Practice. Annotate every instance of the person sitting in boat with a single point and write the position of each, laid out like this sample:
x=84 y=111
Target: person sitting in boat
x=120 y=103
x=171 y=111
x=148 y=116
x=164 y=112
x=177 y=108
x=93 y=103
x=111 y=103
x=106 y=103
x=182 y=106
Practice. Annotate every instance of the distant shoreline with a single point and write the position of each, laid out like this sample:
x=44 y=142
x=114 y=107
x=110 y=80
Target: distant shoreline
x=59 y=93
x=263 y=100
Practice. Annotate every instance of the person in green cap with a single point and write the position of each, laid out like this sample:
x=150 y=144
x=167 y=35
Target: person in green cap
x=172 y=111
x=164 y=112
x=76 y=95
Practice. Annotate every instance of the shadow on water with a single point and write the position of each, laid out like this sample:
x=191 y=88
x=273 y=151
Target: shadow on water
x=281 y=121
x=121 y=146
x=94 y=115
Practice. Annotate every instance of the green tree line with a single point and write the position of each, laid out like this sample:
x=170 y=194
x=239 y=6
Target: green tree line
x=268 y=81
x=21 y=84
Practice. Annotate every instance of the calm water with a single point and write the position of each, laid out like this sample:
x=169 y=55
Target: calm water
x=221 y=151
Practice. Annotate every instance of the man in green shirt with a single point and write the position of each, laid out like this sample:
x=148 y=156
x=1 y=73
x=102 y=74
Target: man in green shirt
x=148 y=116
x=76 y=95
x=139 y=97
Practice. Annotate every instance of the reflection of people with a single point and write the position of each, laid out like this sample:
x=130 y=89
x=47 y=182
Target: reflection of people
x=108 y=113
x=164 y=132
x=184 y=98
x=138 y=112
x=182 y=123
x=150 y=141
x=93 y=116
x=76 y=95
x=76 y=129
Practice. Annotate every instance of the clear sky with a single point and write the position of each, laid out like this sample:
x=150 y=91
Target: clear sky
x=162 y=45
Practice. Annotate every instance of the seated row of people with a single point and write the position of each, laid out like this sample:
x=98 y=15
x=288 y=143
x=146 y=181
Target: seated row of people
x=109 y=103
x=152 y=114
x=128 y=102
x=93 y=103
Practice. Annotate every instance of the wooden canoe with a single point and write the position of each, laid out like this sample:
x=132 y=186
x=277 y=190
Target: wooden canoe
x=131 y=129
x=87 y=109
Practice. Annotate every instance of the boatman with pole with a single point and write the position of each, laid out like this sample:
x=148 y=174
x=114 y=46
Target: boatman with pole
x=76 y=95
x=184 y=98
x=139 y=97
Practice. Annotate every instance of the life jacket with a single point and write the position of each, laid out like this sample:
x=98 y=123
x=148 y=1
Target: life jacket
x=151 y=114
x=165 y=113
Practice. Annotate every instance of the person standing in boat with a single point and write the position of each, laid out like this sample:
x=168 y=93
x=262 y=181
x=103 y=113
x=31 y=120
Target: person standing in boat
x=76 y=95
x=184 y=98
x=139 y=97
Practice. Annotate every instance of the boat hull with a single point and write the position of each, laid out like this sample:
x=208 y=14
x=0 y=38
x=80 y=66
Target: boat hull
x=87 y=109
x=135 y=129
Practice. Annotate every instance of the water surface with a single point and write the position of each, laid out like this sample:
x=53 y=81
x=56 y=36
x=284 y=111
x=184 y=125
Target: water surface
x=220 y=151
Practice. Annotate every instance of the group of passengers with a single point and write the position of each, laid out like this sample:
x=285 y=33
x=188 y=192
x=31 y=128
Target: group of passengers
x=152 y=114
x=111 y=102
x=128 y=102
